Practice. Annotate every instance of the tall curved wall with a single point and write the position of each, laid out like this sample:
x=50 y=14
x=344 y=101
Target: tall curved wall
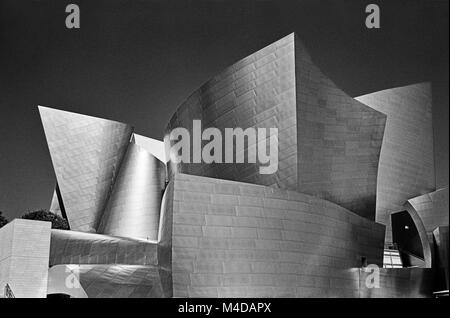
x=257 y=91
x=338 y=138
x=406 y=168
x=238 y=239
x=328 y=143
x=134 y=205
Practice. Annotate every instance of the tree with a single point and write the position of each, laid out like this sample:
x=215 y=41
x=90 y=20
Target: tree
x=3 y=220
x=44 y=215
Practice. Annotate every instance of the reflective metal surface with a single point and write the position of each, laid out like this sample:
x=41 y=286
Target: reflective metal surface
x=406 y=166
x=429 y=212
x=225 y=230
x=71 y=247
x=107 y=266
x=440 y=236
x=86 y=153
x=231 y=238
x=152 y=146
x=135 y=202
x=24 y=253
x=329 y=143
x=433 y=208
x=111 y=281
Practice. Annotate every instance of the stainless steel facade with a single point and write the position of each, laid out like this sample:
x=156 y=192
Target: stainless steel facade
x=329 y=143
x=406 y=167
x=224 y=230
x=108 y=266
x=430 y=213
x=432 y=208
x=135 y=202
x=72 y=247
x=234 y=239
x=86 y=153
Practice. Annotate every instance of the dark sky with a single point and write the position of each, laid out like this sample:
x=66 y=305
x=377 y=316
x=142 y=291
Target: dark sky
x=135 y=61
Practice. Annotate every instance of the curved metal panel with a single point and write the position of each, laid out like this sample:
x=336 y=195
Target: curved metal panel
x=230 y=238
x=108 y=266
x=432 y=208
x=440 y=236
x=86 y=153
x=165 y=228
x=258 y=91
x=328 y=143
x=113 y=281
x=338 y=139
x=426 y=244
x=71 y=247
x=406 y=166
x=134 y=205
x=429 y=212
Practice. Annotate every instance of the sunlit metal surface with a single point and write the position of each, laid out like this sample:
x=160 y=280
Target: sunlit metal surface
x=135 y=202
x=329 y=143
x=406 y=167
x=112 y=281
x=153 y=146
x=304 y=231
x=24 y=254
x=86 y=153
x=71 y=247
x=230 y=238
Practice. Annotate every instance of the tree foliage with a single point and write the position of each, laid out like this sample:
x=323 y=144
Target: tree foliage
x=44 y=215
x=3 y=220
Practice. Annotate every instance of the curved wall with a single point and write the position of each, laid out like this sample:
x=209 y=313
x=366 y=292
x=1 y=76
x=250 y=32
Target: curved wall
x=135 y=202
x=238 y=239
x=71 y=247
x=257 y=91
x=328 y=143
x=406 y=167
x=432 y=208
x=426 y=245
x=338 y=138
x=429 y=212
x=111 y=281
